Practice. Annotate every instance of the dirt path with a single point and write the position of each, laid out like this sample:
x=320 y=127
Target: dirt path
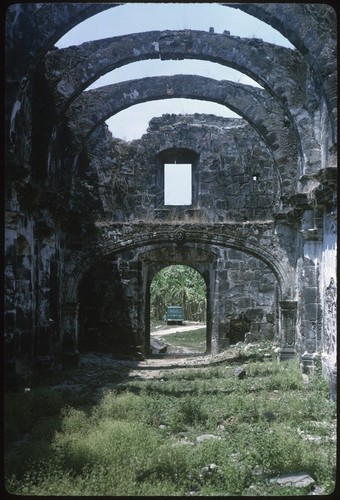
x=151 y=367
x=96 y=366
x=167 y=329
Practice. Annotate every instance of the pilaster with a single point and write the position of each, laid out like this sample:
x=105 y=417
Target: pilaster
x=288 y=314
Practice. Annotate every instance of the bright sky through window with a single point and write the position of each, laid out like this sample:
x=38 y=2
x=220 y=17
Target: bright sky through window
x=177 y=184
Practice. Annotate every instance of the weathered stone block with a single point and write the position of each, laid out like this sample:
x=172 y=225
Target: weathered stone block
x=240 y=373
x=253 y=314
x=265 y=288
x=310 y=295
x=312 y=311
x=310 y=276
x=232 y=264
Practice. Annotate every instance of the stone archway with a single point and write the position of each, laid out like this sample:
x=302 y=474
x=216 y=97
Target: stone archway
x=104 y=322
x=201 y=259
x=134 y=262
x=221 y=48
x=178 y=286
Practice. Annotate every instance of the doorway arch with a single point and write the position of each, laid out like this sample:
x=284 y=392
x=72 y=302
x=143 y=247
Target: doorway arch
x=181 y=287
x=198 y=258
x=149 y=252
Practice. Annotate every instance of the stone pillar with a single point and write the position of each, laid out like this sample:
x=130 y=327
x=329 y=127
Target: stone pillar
x=310 y=310
x=333 y=384
x=44 y=250
x=69 y=334
x=288 y=312
x=214 y=347
x=131 y=298
x=328 y=293
x=209 y=281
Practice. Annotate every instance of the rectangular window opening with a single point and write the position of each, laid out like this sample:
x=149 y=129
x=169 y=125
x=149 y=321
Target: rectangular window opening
x=177 y=184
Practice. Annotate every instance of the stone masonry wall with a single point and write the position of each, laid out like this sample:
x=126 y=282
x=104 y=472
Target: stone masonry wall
x=235 y=177
x=247 y=291
x=111 y=294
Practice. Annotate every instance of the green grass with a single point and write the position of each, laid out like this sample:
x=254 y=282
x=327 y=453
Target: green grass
x=139 y=439
x=194 y=340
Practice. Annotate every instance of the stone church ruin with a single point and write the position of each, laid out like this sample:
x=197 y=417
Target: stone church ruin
x=87 y=223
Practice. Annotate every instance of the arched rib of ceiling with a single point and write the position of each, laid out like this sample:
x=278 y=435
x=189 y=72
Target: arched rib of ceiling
x=275 y=68
x=295 y=28
x=95 y=106
x=296 y=22
x=278 y=69
x=255 y=105
x=292 y=20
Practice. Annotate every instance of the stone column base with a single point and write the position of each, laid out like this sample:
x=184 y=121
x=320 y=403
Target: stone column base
x=286 y=353
x=308 y=363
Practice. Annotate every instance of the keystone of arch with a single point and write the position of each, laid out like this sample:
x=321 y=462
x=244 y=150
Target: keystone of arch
x=276 y=261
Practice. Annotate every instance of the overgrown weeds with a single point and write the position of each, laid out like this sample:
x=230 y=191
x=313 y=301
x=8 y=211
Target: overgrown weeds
x=191 y=431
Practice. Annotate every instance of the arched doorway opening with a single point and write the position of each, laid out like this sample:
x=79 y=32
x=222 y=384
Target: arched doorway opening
x=104 y=322
x=178 y=311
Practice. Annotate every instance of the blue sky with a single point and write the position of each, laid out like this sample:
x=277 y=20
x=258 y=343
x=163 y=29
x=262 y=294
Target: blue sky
x=133 y=18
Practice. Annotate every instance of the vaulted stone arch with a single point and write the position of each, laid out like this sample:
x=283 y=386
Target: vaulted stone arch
x=296 y=22
x=262 y=246
x=266 y=63
x=65 y=16
x=95 y=106
x=261 y=111
x=293 y=27
x=278 y=69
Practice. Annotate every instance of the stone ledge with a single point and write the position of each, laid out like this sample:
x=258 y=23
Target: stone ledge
x=297 y=480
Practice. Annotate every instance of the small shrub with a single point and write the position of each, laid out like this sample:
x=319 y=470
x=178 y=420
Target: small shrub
x=125 y=406
x=186 y=413
x=74 y=421
x=286 y=377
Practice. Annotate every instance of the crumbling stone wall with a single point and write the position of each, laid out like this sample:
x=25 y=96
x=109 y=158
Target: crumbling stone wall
x=233 y=172
x=248 y=298
x=255 y=105
x=106 y=320
x=83 y=209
